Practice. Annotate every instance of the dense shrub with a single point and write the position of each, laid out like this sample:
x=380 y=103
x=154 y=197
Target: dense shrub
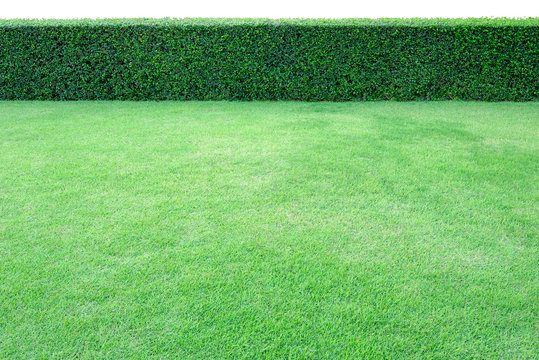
x=202 y=59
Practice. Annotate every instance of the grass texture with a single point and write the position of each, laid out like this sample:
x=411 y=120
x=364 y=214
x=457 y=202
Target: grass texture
x=269 y=230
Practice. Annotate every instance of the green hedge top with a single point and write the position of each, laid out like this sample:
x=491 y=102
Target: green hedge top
x=270 y=59
x=421 y=22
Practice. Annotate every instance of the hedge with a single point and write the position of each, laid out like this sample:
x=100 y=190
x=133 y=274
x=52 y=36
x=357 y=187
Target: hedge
x=263 y=59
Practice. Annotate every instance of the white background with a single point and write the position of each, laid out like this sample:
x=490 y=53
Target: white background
x=266 y=8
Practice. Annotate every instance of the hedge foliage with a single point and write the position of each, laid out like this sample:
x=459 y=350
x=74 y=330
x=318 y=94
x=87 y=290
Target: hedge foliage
x=263 y=59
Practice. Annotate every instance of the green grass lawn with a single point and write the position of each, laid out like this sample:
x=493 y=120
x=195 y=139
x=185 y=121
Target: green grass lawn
x=269 y=230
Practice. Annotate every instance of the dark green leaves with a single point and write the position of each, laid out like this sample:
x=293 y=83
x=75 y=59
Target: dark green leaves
x=262 y=59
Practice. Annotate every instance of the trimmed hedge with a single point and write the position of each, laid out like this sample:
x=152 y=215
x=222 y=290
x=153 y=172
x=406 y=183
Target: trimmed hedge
x=262 y=59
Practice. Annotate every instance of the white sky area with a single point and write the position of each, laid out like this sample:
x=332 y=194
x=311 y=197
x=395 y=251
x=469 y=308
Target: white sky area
x=63 y=9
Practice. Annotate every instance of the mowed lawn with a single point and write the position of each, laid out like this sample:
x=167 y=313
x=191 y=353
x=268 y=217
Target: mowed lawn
x=269 y=230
